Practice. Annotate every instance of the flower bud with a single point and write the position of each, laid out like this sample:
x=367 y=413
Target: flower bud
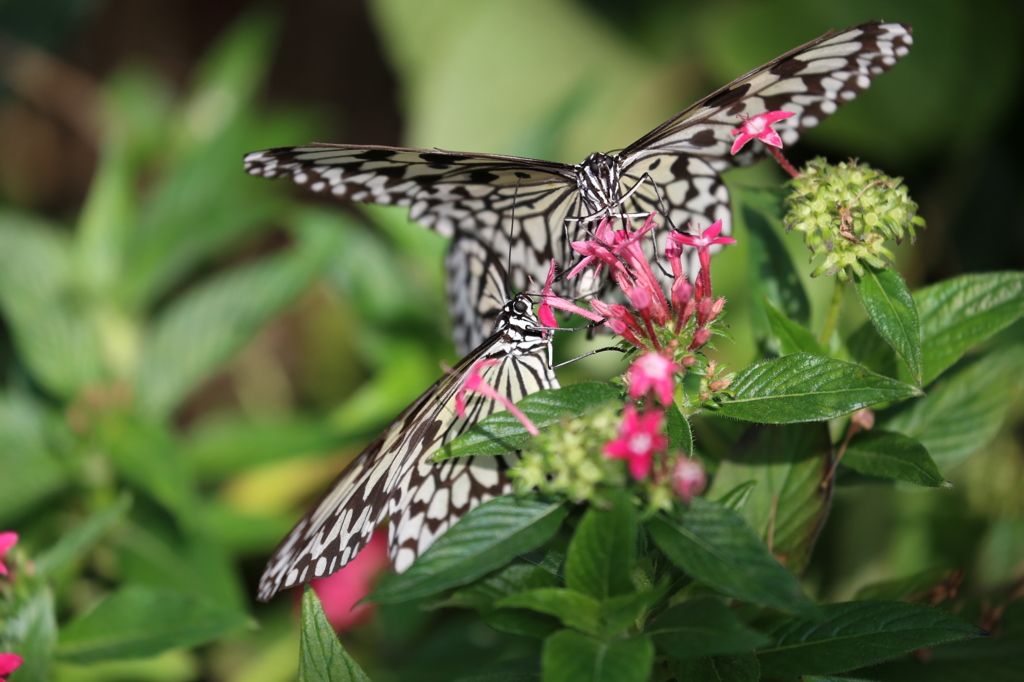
x=688 y=478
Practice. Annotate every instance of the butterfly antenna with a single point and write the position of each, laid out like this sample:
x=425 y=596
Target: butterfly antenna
x=588 y=354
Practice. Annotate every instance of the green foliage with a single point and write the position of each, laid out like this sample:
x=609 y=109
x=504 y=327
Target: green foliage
x=190 y=357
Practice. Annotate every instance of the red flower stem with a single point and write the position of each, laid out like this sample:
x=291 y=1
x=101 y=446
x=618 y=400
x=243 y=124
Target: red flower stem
x=786 y=165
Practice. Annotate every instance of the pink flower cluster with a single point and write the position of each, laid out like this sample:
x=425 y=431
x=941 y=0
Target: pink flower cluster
x=8 y=662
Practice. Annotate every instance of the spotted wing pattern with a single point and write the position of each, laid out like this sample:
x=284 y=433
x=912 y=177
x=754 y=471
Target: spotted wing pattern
x=396 y=477
x=677 y=164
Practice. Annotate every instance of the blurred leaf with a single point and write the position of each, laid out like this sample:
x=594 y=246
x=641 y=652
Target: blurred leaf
x=736 y=498
x=602 y=550
x=202 y=329
x=73 y=544
x=856 y=634
x=867 y=348
x=321 y=656
x=228 y=78
x=42 y=306
x=965 y=411
x=891 y=308
x=221 y=447
x=31 y=632
x=773 y=278
x=619 y=614
x=702 y=627
x=501 y=432
x=788 y=464
x=741 y=668
x=904 y=588
x=196 y=565
x=137 y=622
x=484 y=539
x=108 y=215
x=962 y=312
x=31 y=472
x=892 y=455
x=677 y=428
x=802 y=387
x=792 y=336
x=570 y=656
x=574 y=609
x=718 y=548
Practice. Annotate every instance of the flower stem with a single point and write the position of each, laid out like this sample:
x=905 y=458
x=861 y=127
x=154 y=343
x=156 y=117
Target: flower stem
x=783 y=161
x=833 y=313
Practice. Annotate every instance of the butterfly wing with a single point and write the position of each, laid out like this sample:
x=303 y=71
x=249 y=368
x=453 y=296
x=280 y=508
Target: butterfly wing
x=684 y=155
x=396 y=477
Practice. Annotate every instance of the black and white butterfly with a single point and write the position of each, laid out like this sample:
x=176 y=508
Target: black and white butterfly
x=673 y=169
x=395 y=477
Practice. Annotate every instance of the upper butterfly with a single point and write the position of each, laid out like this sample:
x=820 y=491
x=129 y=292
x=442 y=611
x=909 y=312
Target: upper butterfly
x=673 y=169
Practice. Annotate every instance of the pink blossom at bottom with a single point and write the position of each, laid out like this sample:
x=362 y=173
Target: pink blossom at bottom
x=688 y=478
x=9 y=663
x=340 y=591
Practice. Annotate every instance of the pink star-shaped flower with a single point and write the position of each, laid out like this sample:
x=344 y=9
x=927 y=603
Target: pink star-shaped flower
x=759 y=128
x=639 y=438
x=652 y=373
x=7 y=540
x=475 y=382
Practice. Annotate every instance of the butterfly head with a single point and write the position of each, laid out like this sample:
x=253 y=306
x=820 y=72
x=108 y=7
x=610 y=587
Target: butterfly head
x=517 y=321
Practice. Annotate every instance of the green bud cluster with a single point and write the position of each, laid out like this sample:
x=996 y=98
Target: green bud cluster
x=846 y=212
x=567 y=460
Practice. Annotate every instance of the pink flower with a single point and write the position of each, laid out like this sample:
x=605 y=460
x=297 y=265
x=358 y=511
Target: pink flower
x=652 y=373
x=688 y=478
x=639 y=438
x=759 y=128
x=7 y=540
x=9 y=663
x=341 y=591
x=475 y=382
x=549 y=301
x=703 y=243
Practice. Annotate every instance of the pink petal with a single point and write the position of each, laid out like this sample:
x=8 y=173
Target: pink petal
x=339 y=593
x=8 y=539
x=9 y=663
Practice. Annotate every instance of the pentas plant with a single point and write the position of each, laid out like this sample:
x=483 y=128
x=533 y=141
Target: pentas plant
x=661 y=522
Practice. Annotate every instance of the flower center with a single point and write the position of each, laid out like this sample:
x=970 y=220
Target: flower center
x=640 y=443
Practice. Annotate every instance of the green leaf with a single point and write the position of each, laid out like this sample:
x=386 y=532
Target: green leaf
x=484 y=539
x=736 y=498
x=677 y=427
x=79 y=540
x=891 y=308
x=773 y=278
x=39 y=298
x=31 y=632
x=202 y=329
x=629 y=610
x=570 y=656
x=964 y=311
x=602 y=550
x=742 y=668
x=137 y=622
x=903 y=589
x=321 y=656
x=792 y=336
x=857 y=634
x=574 y=609
x=483 y=595
x=892 y=455
x=31 y=472
x=966 y=410
x=501 y=432
x=802 y=387
x=700 y=628
x=788 y=464
x=718 y=548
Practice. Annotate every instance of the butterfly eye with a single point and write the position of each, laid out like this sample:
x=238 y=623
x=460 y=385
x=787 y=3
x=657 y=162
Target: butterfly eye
x=519 y=306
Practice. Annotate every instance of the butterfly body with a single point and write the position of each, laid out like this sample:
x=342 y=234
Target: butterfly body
x=396 y=477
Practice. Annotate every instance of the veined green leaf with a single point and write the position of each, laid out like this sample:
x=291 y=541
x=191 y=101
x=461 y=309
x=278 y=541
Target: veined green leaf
x=570 y=656
x=602 y=550
x=891 y=308
x=887 y=454
x=321 y=656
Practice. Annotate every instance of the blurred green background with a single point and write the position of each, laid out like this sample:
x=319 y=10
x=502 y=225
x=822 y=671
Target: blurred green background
x=220 y=345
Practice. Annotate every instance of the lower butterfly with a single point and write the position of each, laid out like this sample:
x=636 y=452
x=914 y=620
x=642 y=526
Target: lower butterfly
x=396 y=478
x=673 y=169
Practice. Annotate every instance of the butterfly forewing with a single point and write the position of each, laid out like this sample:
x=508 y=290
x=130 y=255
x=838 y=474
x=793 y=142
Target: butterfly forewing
x=487 y=197
x=396 y=476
